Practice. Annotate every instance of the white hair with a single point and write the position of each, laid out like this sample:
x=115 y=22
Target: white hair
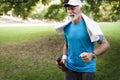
x=76 y=16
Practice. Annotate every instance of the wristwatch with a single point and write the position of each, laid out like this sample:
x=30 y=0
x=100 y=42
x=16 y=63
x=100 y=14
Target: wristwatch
x=94 y=55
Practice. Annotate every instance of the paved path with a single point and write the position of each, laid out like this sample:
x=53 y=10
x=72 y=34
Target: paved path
x=27 y=25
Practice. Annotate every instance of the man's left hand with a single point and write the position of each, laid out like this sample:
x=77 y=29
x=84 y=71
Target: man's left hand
x=87 y=57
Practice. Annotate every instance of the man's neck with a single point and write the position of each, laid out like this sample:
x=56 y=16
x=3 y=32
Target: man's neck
x=77 y=20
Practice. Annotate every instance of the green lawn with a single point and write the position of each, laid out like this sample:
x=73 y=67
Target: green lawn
x=108 y=64
x=29 y=53
x=22 y=34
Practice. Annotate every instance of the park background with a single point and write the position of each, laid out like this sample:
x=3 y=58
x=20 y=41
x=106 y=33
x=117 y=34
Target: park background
x=29 y=44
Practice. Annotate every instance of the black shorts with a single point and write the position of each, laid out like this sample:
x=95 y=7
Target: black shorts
x=71 y=75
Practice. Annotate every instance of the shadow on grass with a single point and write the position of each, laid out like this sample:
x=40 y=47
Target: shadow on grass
x=31 y=60
x=108 y=67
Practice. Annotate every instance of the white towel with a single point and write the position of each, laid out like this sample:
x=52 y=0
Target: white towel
x=93 y=28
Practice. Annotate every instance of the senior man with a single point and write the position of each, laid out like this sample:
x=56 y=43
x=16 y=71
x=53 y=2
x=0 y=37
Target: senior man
x=80 y=35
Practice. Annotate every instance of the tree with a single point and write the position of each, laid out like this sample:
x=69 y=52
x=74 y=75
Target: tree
x=96 y=8
x=115 y=9
x=91 y=8
x=20 y=7
x=56 y=12
x=45 y=2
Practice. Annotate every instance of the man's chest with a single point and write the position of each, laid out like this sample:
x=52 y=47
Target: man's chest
x=77 y=33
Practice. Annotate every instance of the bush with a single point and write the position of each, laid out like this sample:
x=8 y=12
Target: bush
x=56 y=12
x=1 y=10
x=39 y=15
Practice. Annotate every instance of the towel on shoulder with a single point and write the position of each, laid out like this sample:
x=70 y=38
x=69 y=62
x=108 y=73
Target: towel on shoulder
x=93 y=28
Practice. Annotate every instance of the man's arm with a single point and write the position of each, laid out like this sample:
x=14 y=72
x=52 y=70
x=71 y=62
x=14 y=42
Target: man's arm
x=103 y=47
x=61 y=64
x=65 y=50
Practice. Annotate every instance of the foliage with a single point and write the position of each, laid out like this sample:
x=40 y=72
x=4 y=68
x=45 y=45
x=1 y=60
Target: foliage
x=56 y=12
x=39 y=15
x=103 y=10
x=93 y=10
x=6 y=7
x=1 y=10
x=99 y=10
x=20 y=7
x=46 y=2
x=115 y=10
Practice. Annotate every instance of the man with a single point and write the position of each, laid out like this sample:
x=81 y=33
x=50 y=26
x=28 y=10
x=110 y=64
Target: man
x=78 y=51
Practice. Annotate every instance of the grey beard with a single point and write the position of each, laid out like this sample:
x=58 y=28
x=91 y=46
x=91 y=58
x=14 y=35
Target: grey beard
x=75 y=18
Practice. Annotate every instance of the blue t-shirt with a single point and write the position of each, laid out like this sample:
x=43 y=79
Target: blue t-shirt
x=78 y=40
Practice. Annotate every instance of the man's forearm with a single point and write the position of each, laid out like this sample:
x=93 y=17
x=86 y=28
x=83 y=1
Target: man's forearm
x=65 y=49
x=103 y=47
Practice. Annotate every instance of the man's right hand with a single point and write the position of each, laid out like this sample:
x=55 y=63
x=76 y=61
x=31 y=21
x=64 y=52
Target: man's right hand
x=61 y=65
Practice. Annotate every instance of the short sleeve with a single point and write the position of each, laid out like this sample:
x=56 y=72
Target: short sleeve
x=101 y=39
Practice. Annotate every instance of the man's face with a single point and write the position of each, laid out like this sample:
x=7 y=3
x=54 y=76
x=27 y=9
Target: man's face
x=73 y=12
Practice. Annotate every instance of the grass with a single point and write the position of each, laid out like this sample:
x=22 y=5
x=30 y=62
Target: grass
x=22 y=34
x=29 y=53
x=108 y=64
